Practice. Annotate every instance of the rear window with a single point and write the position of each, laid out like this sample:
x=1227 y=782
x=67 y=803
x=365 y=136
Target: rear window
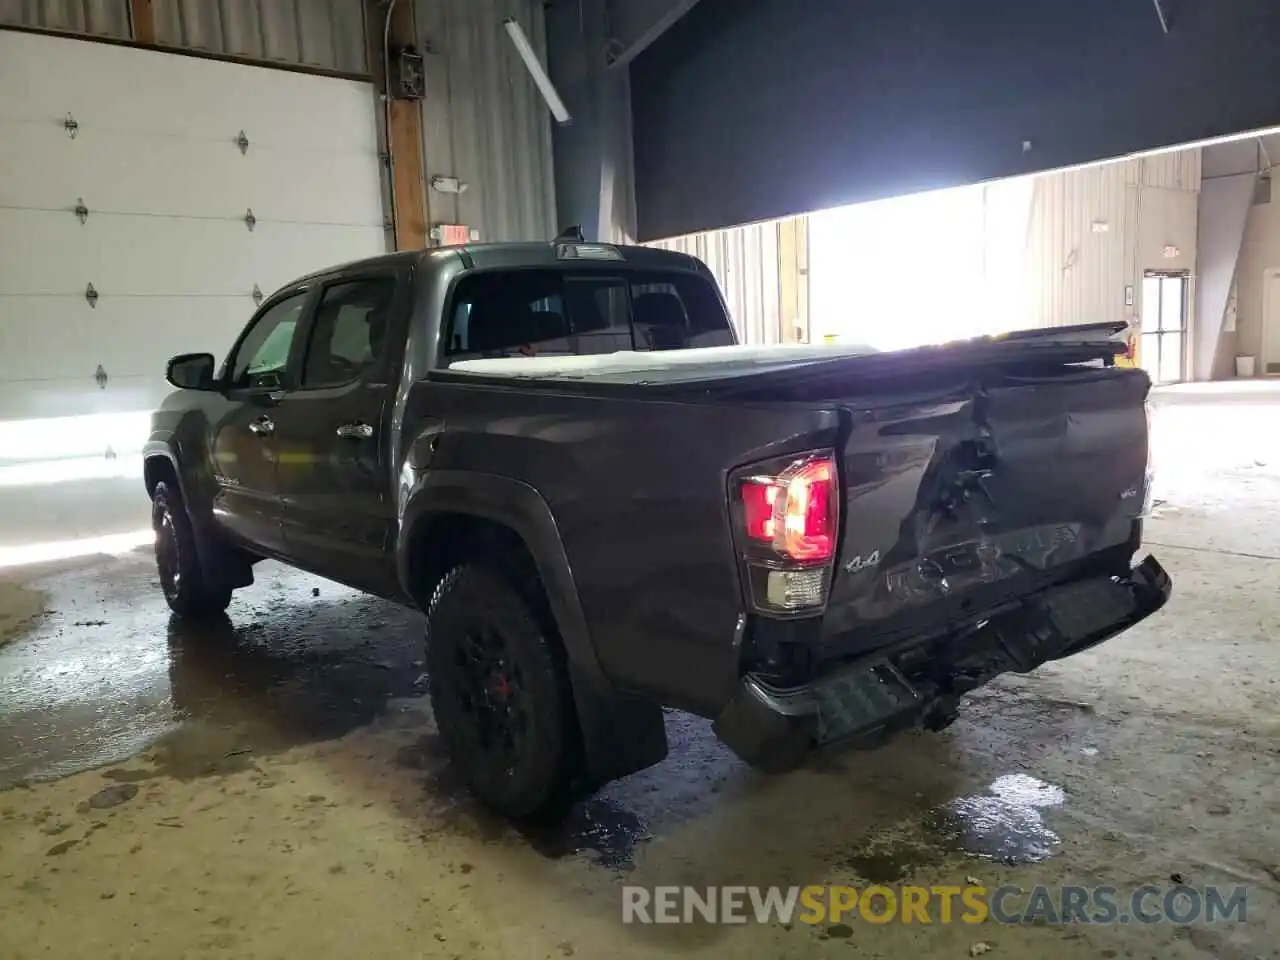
x=558 y=312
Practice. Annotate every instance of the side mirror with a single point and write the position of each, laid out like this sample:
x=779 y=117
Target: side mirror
x=191 y=371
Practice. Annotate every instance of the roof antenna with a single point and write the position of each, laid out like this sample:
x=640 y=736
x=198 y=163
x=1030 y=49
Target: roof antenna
x=571 y=234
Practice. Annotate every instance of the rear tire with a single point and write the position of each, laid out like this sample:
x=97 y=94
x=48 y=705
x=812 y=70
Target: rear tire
x=501 y=696
x=187 y=590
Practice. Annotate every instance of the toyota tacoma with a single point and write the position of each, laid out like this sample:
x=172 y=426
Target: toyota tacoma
x=604 y=505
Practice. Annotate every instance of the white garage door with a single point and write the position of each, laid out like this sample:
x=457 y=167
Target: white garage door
x=148 y=144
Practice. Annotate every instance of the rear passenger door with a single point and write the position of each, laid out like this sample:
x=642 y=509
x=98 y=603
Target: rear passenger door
x=332 y=432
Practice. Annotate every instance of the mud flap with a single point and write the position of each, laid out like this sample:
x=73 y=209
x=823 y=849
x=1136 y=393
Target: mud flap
x=223 y=565
x=621 y=734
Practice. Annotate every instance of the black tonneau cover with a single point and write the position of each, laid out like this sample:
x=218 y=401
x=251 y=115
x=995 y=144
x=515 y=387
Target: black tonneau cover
x=1082 y=343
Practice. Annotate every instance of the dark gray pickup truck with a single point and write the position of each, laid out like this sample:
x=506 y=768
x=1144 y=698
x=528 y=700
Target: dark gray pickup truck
x=603 y=505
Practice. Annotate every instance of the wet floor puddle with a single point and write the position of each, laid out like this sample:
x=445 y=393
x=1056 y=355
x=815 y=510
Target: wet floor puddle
x=1004 y=824
x=597 y=829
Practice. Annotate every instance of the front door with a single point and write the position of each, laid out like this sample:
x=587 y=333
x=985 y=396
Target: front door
x=335 y=482
x=242 y=439
x=1162 y=346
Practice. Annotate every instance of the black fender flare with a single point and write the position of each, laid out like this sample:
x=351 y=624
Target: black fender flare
x=194 y=487
x=621 y=733
x=519 y=506
x=160 y=450
x=212 y=559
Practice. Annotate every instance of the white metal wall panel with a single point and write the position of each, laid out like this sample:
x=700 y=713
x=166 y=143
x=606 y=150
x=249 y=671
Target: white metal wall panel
x=165 y=244
x=1079 y=232
x=1176 y=170
x=484 y=121
x=126 y=181
x=745 y=263
x=1094 y=231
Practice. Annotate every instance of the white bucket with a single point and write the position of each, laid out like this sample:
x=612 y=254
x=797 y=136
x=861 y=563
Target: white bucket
x=1245 y=366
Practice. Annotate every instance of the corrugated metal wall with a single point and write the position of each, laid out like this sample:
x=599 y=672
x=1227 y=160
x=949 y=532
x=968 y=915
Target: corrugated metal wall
x=484 y=121
x=1178 y=170
x=748 y=265
x=326 y=34
x=1077 y=271
x=96 y=18
x=1093 y=231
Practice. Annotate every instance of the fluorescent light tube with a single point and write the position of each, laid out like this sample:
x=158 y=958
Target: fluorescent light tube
x=545 y=86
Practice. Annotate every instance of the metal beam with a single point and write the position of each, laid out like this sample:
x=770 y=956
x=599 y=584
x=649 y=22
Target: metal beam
x=1164 y=20
x=677 y=10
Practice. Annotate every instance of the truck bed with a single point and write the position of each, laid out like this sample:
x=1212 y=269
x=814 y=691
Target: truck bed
x=971 y=475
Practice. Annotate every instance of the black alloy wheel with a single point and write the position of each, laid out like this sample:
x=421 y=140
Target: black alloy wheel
x=500 y=693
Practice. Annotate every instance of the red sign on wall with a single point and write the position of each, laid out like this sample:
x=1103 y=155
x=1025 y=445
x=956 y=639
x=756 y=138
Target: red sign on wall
x=452 y=234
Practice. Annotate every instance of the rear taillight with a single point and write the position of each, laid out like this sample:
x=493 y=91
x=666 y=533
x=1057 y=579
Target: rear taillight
x=787 y=515
x=794 y=514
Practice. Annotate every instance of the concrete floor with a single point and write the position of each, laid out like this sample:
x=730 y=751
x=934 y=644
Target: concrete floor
x=271 y=787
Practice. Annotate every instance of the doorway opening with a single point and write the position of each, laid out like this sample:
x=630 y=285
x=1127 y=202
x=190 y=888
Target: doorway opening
x=1165 y=302
x=1271 y=323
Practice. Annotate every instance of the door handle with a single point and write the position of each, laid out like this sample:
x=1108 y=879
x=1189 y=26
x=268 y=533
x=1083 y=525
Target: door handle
x=262 y=427
x=355 y=431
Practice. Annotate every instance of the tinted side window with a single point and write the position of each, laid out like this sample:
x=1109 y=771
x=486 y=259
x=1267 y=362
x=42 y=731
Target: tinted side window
x=548 y=312
x=349 y=336
x=264 y=352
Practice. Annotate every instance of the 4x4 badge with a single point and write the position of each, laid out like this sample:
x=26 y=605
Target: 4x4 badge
x=860 y=563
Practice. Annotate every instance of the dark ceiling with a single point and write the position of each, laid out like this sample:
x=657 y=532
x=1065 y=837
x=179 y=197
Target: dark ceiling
x=747 y=110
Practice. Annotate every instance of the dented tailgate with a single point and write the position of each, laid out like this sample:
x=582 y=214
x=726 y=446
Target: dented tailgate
x=982 y=488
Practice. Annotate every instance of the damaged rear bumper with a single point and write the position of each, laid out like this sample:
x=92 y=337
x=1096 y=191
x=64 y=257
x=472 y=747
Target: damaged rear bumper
x=920 y=682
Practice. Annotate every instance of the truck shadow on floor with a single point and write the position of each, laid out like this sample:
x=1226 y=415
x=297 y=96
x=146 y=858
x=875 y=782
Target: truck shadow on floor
x=249 y=690
x=261 y=687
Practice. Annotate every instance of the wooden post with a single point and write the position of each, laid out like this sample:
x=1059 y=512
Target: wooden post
x=403 y=120
x=143 y=17
x=793 y=279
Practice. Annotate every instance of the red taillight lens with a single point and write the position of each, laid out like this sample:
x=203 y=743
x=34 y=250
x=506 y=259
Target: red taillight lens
x=794 y=513
x=758 y=497
x=810 y=512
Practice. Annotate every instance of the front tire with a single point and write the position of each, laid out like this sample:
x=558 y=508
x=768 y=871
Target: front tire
x=188 y=592
x=501 y=696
